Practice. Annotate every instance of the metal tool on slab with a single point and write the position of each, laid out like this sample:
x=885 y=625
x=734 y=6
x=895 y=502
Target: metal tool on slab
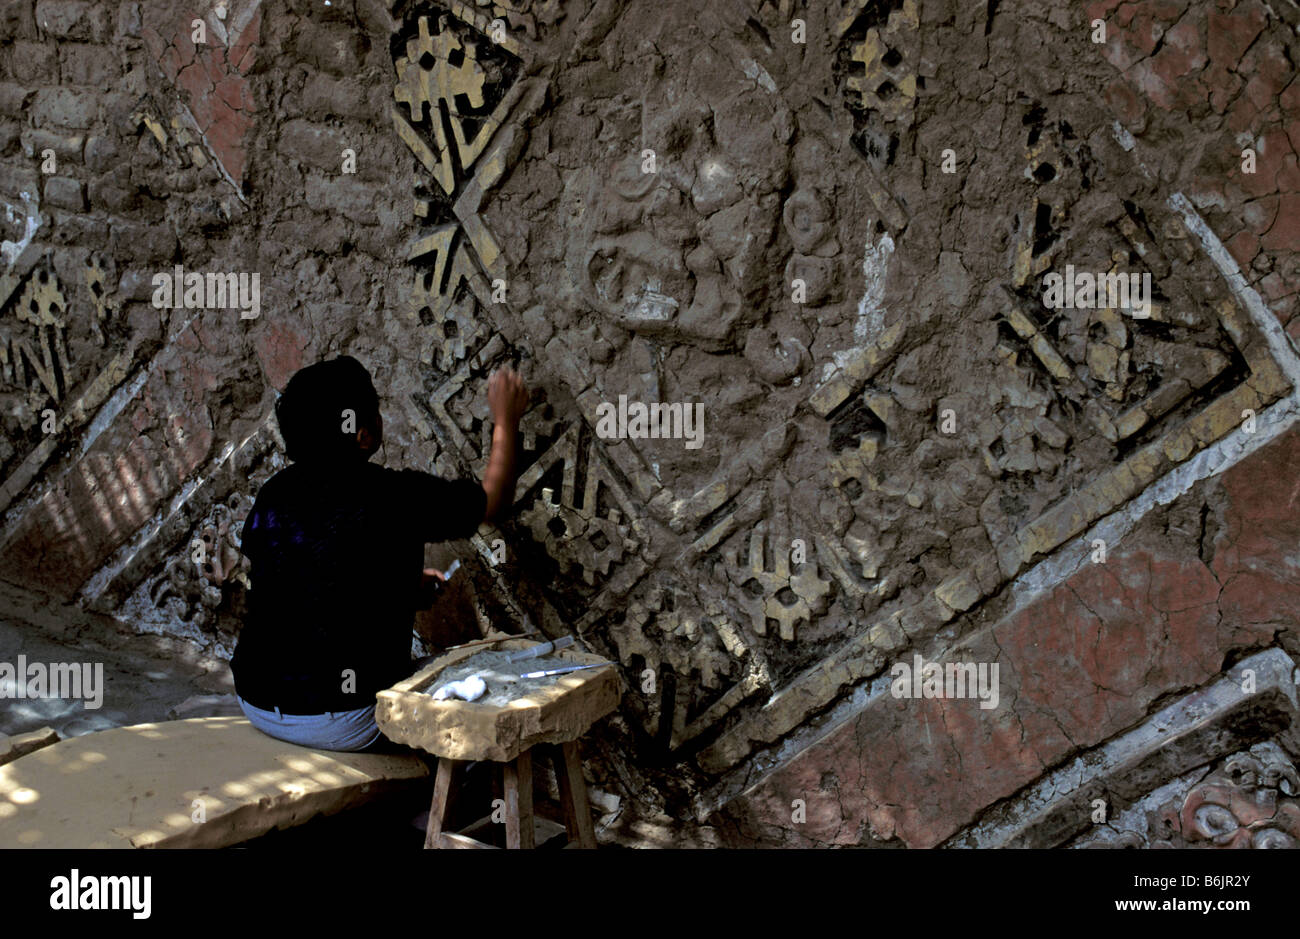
x=559 y=671
x=544 y=648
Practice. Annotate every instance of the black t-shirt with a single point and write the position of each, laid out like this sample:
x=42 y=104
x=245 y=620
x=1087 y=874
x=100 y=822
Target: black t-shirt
x=336 y=557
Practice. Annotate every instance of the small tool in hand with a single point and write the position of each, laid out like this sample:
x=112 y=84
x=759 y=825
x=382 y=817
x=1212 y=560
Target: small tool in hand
x=433 y=583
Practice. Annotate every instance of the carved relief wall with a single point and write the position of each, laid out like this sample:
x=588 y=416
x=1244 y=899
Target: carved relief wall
x=829 y=226
x=775 y=163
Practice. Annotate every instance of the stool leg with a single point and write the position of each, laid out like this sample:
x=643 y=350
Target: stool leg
x=520 y=832
x=441 y=787
x=573 y=796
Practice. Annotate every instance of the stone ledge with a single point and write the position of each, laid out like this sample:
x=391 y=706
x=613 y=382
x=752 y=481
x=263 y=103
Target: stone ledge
x=142 y=786
x=11 y=748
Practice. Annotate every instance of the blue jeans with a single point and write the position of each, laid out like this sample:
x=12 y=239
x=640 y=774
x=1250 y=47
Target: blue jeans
x=333 y=730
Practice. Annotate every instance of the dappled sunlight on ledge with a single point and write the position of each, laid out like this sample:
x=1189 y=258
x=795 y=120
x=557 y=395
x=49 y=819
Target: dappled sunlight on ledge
x=203 y=782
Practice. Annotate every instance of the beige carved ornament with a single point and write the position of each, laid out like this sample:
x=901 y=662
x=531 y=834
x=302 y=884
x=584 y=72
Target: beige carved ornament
x=1249 y=801
x=887 y=83
x=36 y=357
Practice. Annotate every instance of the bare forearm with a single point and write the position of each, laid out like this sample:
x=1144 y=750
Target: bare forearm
x=507 y=397
x=499 y=479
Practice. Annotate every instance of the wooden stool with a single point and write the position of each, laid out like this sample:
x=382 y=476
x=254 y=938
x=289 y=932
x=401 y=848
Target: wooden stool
x=520 y=821
x=553 y=717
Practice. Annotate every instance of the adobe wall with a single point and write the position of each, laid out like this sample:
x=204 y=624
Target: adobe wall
x=828 y=228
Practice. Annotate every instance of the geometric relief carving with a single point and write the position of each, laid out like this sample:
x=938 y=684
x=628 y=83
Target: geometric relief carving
x=453 y=89
x=1067 y=413
x=588 y=529
x=1019 y=435
x=1126 y=374
x=1125 y=367
x=106 y=306
x=525 y=15
x=1075 y=412
x=574 y=498
x=876 y=67
x=857 y=433
x=452 y=322
x=574 y=501
x=56 y=352
x=192 y=573
x=781 y=593
x=885 y=79
x=435 y=70
x=1088 y=398
x=569 y=501
x=702 y=665
x=37 y=357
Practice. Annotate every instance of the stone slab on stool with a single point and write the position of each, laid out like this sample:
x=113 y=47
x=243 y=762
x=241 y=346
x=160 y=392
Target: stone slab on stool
x=560 y=712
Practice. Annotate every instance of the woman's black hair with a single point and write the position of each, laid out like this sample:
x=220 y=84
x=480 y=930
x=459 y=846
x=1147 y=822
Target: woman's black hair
x=312 y=411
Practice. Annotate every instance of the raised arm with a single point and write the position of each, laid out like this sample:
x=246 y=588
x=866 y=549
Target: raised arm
x=507 y=397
